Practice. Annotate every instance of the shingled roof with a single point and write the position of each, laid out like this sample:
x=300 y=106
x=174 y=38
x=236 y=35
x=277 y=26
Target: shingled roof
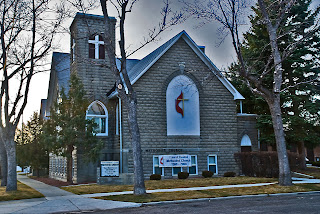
x=59 y=76
x=144 y=64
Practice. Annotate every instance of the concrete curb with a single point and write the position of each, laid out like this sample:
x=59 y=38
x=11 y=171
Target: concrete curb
x=227 y=197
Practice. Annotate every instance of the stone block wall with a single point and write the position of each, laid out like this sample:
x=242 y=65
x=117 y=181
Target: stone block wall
x=94 y=73
x=97 y=80
x=218 y=122
x=247 y=124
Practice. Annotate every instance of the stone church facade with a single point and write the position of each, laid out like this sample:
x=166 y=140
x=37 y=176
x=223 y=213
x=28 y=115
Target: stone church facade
x=185 y=107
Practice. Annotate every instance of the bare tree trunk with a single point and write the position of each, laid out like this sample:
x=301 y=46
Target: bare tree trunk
x=275 y=104
x=69 y=164
x=302 y=154
x=139 y=187
x=4 y=164
x=284 y=167
x=7 y=135
x=129 y=98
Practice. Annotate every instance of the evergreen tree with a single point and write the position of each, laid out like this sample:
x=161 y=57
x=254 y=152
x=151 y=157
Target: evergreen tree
x=31 y=151
x=68 y=129
x=300 y=106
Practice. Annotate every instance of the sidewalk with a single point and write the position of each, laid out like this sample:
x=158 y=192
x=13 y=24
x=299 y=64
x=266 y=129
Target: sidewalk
x=294 y=181
x=57 y=200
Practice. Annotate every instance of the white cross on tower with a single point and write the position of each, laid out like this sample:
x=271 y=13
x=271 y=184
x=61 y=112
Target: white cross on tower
x=96 y=43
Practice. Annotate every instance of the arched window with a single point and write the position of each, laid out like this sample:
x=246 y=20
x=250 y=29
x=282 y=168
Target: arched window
x=245 y=141
x=99 y=113
x=96 y=47
x=246 y=144
x=183 y=109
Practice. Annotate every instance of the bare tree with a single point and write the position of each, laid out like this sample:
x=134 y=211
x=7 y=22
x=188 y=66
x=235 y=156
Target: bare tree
x=27 y=30
x=123 y=85
x=3 y=165
x=231 y=14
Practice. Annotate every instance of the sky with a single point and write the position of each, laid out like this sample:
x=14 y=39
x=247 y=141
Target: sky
x=144 y=16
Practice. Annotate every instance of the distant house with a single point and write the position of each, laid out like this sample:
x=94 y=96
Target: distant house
x=186 y=108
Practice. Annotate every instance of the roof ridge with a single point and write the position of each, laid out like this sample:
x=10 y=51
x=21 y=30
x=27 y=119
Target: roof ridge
x=145 y=62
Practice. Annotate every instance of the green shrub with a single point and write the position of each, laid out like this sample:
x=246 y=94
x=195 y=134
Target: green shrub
x=155 y=177
x=229 y=174
x=183 y=175
x=207 y=174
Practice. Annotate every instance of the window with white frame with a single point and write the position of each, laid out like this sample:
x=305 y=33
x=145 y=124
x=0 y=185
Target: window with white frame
x=193 y=170
x=99 y=114
x=96 y=47
x=176 y=170
x=212 y=164
x=156 y=169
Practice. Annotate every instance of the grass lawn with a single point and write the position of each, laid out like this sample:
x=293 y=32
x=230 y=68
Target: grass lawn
x=270 y=189
x=168 y=184
x=23 y=192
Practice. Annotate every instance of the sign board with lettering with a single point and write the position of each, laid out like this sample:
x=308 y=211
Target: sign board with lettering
x=174 y=160
x=109 y=168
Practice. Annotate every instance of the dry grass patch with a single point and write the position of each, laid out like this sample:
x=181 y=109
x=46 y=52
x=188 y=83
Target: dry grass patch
x=23 y=192
x=203 y=182
x=95 y=188
x=315 y=172
x=182 y=195
x=168 y=184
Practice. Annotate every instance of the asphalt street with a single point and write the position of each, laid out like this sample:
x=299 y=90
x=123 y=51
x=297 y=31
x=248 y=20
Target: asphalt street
x=295 y=203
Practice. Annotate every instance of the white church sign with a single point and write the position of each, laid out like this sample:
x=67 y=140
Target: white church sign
x=174 y=160
x=109 y=168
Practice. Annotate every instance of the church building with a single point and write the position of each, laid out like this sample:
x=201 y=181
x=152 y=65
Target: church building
x=187 y=109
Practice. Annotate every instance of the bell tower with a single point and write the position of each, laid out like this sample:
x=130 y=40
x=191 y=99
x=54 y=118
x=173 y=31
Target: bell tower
x=88 y=58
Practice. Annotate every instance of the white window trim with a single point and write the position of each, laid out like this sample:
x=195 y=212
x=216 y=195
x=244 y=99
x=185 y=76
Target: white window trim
x=96 y=43
x=153 y=165
x=196 y=160
x=216 y=164
x=117 y=119
x=99 y=116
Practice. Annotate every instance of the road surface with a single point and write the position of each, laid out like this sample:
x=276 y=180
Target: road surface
x=295 y=203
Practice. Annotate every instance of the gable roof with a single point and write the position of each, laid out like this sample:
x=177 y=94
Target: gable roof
x=59 y=76
x=61 y=61
x=129 y=62
x=144 y=64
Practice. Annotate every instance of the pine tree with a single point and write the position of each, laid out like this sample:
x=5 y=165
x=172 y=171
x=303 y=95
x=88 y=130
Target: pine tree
x=68 y=129
x=31 y=150
x=300 y=106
